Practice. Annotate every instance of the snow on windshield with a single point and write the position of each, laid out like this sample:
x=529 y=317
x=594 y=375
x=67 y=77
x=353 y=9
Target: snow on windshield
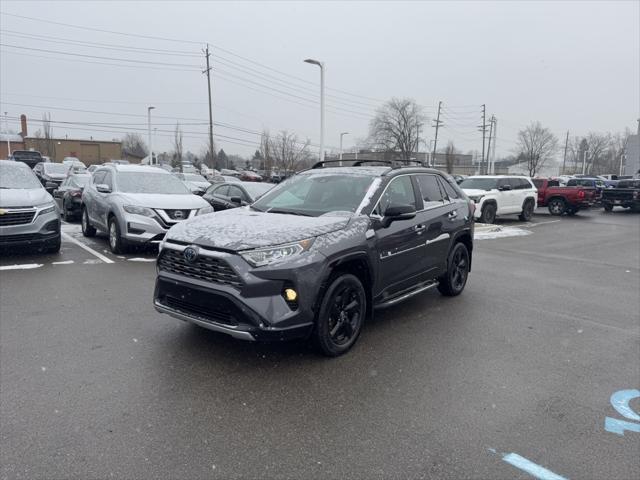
x=148 y=182
x=17 y=175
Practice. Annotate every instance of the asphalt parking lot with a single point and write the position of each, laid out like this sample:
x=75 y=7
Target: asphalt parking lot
x=515 y=375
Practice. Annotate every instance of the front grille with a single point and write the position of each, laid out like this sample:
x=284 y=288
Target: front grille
x=16 y=218
x=178 y=214
x=221 y=315
x=209 y=269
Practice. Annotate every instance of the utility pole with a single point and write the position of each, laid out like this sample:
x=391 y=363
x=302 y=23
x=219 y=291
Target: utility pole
x=435 y=142
x=483 y=128
x=417 y=139
x=564 y=157
x=495 y=138
x=584 y=161
x=208 y=72
x=6 y=121
x=489 y=144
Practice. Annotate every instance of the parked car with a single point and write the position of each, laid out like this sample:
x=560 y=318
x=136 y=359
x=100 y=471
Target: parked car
x=501 y=195
x=225 y=178
x=596 y=183
x=196 y=183
x=28 y=214
x=626 y=195
x=222 y=196
x=229 y=173
x=30 y=157
x=92 y=168
x=68 y=195
x=51 y=175
x=136 y=204
x=315 y=255
x=559 y=199
x=249 y=176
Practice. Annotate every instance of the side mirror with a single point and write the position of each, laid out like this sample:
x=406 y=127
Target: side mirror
x=237 y=200
x=505 y=188
x=50 y=186
x=398 y=212
x=103 y=188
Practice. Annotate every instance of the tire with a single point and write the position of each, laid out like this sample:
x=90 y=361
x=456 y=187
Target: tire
x=608 y=207
x=488 y=213
x=527 y=211
x=55 y=247
x=452 y=283
x=116 y=243
x=334 y=333
x=65 y=213
x=557 y=206
x=87 y=229
x=572 y=211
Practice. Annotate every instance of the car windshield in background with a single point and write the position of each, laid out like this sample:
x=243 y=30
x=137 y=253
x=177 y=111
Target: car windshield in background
x=479 y=184
x=80 y=180
x=57 y=168
x=17 y=176
x=192 y=177
x=316 y=194
x=150 y=182
x=257 y=189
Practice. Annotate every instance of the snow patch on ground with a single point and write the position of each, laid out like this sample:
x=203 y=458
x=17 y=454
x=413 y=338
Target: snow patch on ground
x=92 y=261
x=66 y=262
x=138 y=259
x=24 y=266
x=491 y=233
x=71 y=228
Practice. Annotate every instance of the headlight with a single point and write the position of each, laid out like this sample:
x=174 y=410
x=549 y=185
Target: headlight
x=265 y=256
x=147 y=212
x=46 y=208
x=203 y=210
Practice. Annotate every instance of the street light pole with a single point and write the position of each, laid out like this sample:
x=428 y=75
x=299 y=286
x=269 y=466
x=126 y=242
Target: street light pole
x=342 y=135
x=584 y=162
x=149 y=128
x=321 y=65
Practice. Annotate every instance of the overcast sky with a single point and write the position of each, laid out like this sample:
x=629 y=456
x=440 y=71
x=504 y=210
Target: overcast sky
x=570 y=65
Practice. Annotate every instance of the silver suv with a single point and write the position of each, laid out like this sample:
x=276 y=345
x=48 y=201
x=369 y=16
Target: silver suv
x=28 y=214
x=136 y=204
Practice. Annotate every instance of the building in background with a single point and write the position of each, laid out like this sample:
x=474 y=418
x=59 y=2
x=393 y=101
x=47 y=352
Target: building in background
x=88 y=151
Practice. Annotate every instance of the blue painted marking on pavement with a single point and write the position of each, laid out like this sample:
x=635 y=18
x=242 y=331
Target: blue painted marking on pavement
x=531 y=468
x=620 y=401
x=614 y=425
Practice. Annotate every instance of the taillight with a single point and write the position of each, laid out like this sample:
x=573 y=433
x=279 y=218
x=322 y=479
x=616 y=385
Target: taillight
x=581 y=194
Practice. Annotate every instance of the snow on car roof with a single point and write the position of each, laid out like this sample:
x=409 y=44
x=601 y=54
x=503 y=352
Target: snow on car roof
x=371 y=171
x=139 y=168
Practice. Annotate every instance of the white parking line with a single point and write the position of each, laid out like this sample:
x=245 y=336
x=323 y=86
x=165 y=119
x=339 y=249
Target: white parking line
x=88 y=249
x=541 y=223
x=24 y=266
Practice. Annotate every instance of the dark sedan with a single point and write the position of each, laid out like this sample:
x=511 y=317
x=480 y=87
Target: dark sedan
x=69 y=195
x=222 y=196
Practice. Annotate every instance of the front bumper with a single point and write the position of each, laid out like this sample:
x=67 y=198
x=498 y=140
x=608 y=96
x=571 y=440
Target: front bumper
x=253 y=308
x=140 y=229
x=43 y=230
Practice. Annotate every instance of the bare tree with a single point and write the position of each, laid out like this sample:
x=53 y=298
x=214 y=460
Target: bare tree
x=597 y=146
x=266 y=150
x=133 y=144
x=395 y=126
x=288 y=152
x=450 y=156
x=536 y=145
x=176 y=161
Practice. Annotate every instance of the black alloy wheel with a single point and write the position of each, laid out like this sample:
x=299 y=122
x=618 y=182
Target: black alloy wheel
x=455 y=279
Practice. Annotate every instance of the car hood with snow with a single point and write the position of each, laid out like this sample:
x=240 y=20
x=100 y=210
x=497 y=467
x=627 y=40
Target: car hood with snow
x=21 y=197
x=244 y=229
x=163 y=201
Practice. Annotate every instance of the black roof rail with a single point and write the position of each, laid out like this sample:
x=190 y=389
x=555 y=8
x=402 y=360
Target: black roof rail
x=357 y=163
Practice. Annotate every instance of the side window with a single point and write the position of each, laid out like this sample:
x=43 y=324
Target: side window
x=449 y=190
x=108 y=180
x=223 y=191
x=98 y=177
x=523 y=184
x=398 y=192
x=502 y=182
x=431 y=193
x=235 y=192
x=553 y=183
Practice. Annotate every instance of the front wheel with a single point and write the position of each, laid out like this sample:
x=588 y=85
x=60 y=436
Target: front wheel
x=116 y=242
x=488 y=214
x=55 y=246
x=454 y=281
x=557 y=206
x=527 y=211
x=341 y=315
x=608 y=207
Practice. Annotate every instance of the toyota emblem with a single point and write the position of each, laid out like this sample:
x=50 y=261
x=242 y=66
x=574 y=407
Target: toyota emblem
x=190 y=254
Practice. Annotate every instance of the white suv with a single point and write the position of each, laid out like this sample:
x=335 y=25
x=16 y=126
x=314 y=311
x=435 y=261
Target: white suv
x=501 y=195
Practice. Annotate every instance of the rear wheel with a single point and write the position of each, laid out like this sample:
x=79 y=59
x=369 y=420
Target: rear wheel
x=454 y=281
x=87 y=229
x=527 y=211
x=116 y=242
x=341 y=316
x=557 y=206
x=488 y=213
x=608 y=207
x=65 y=212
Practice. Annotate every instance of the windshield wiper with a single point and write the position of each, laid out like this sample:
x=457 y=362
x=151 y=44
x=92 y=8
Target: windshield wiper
x=255 y=208
x=288 y=212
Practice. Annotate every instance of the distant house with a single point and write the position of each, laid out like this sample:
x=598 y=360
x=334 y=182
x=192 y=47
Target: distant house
x=133 y=157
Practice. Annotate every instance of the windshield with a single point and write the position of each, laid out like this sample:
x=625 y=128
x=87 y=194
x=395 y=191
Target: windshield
x=17 y=176
x=257 y=189
x=150 y=182
x=192 y=177
x=56 y=168
x=479 y=184
x=316 y=194
x=80 y=180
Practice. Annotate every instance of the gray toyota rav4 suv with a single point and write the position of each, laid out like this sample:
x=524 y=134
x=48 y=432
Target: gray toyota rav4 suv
x=317 y=254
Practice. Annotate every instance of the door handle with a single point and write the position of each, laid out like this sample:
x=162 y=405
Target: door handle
x=419 y=229
x=453 y=215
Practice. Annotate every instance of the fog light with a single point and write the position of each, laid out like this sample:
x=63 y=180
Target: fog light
x=290 y=294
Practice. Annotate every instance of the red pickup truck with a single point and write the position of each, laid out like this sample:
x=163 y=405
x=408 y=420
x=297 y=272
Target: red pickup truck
x=561 y=200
